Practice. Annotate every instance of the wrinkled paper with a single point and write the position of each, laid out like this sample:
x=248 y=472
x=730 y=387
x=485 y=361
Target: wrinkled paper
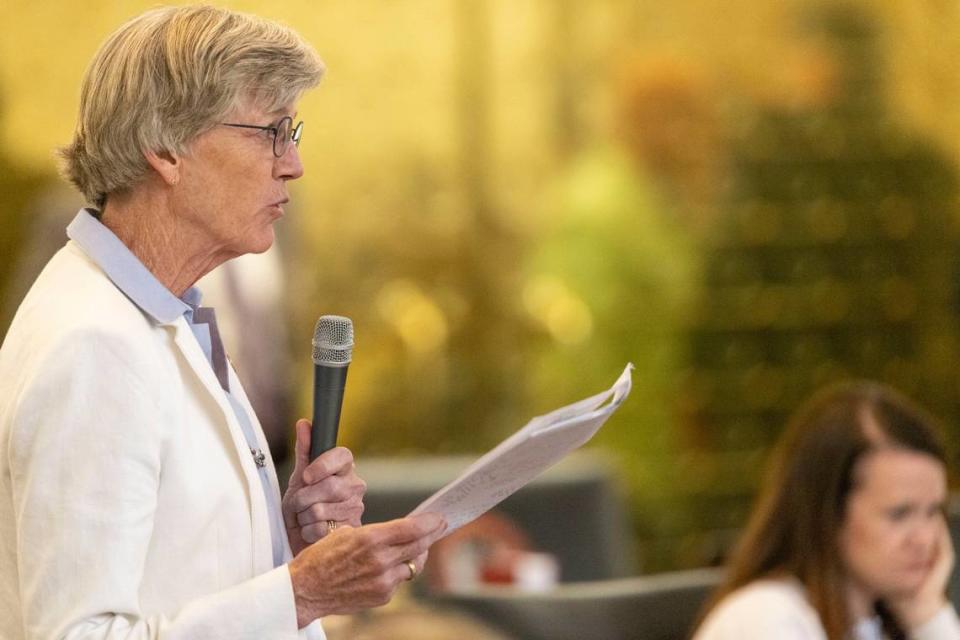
x=516 y=461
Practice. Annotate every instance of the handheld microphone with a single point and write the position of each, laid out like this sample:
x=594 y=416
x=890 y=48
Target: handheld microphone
x=332 y=352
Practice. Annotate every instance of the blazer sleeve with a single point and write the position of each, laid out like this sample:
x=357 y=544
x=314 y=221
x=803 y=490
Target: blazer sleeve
x=85 y=459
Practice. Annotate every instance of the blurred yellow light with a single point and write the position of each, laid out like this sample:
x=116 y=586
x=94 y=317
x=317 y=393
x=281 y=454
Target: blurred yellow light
x=416 y=318
x=564 y=315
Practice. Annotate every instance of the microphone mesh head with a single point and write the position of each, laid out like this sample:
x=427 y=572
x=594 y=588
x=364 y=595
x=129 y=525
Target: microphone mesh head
x=333 y=341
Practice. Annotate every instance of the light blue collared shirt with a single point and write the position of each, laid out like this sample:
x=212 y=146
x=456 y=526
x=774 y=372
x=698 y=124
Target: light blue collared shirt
x=143 y=289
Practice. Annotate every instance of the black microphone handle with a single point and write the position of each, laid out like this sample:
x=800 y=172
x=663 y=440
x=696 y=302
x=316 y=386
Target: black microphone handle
x=328 y=384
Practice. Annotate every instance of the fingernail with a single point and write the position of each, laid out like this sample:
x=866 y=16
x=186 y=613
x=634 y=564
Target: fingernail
x=432 y=520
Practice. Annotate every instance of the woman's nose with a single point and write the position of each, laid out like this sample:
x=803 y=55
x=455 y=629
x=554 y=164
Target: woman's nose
x=288 y=166
x=925 y=533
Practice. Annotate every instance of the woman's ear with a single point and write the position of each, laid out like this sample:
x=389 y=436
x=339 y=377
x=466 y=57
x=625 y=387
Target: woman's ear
x=166 y=163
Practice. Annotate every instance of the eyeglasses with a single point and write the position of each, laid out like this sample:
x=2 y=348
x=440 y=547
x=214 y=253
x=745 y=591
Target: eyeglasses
x=283 y=133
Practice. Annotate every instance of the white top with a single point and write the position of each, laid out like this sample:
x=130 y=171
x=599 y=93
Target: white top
x=779 y=609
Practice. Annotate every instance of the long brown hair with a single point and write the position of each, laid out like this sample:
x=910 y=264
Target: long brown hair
x=794 y=527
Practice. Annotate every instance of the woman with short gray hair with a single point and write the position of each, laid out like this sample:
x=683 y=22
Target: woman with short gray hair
x=137 y=496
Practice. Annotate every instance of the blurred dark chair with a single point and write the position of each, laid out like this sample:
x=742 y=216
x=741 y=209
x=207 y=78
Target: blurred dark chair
x=655 y=607
x=573 y=510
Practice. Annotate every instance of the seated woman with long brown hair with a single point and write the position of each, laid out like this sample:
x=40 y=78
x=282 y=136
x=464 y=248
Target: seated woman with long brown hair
x=849 y=538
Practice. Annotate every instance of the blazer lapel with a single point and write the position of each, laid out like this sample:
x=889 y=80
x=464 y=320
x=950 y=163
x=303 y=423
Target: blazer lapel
x=207 y=381
x=241 y=396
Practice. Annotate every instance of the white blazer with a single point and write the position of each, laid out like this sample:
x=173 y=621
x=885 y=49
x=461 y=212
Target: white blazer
x=130 y=506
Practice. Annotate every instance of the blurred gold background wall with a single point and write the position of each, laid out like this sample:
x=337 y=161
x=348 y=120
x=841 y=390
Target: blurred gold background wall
x=513 y=198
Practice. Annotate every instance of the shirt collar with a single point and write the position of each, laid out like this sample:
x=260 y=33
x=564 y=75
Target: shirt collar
x=127 y=272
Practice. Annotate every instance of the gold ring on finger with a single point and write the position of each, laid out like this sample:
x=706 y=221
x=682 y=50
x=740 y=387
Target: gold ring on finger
x=413 y=569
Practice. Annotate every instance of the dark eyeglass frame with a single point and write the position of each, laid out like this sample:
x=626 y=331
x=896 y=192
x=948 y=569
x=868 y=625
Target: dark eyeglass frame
x=280 y=143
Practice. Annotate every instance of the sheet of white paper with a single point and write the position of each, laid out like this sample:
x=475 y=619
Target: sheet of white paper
x=513 y=463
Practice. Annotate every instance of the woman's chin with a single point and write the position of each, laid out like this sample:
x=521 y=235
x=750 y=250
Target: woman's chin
x=261 y=241
x=907 y=585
